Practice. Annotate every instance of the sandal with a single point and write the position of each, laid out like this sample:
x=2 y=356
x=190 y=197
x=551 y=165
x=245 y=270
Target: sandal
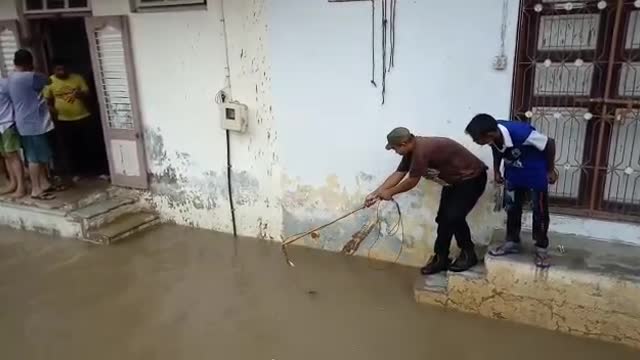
x=56 y=188
x=45 y=196
x=509 y=247
x=542 y=258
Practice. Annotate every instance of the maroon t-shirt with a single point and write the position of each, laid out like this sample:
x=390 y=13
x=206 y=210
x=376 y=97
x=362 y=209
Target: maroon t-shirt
x=443 y=158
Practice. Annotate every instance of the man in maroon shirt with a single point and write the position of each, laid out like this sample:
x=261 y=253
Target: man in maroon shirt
x=463 y=177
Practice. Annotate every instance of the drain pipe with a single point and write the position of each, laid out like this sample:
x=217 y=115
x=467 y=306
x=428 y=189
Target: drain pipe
x=223 y=98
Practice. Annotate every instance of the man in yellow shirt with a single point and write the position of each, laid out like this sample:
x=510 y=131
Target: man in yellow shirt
x=68 y=95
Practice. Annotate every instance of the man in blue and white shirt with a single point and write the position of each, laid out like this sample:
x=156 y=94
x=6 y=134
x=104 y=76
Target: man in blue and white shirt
x=529 y=158
x=33 y=121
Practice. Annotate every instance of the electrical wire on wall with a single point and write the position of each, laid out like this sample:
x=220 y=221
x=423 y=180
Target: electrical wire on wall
x=388 y=46
x=373 y=43
x=222 y=97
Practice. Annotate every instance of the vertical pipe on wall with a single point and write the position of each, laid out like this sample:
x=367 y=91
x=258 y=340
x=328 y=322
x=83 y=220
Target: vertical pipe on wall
x=228 y=135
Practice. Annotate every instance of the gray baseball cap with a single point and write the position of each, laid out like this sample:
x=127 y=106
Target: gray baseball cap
x=398 y=136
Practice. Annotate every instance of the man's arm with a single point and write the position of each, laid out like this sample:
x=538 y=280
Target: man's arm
x=497 y=165
x=548 y=146
x=406 y=185
x=550 y=153
x=393 y=180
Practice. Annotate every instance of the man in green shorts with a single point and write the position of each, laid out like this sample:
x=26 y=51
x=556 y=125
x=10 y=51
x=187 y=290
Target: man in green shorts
x=10 y=145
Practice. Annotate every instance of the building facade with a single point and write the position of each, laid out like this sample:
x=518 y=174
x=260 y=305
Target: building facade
x=310 y=73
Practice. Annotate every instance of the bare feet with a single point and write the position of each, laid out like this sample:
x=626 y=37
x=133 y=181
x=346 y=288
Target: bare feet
x=18 y=194
x=7 y=189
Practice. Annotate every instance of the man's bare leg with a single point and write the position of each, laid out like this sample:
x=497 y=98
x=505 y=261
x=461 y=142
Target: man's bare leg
x=15 y=168
x=45 y=184
x=11 y=186
x=34 y=175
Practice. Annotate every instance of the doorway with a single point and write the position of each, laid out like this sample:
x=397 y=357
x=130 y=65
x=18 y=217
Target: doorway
x=79 y=148
x=577 y=78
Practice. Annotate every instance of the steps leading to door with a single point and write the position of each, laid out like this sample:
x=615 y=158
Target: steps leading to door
x=592 y=289
x=102 y=215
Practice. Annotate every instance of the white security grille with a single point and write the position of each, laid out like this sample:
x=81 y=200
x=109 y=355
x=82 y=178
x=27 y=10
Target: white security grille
x=113 y=75
x=8 y=47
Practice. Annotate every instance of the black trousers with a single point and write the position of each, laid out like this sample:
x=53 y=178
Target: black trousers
x=79 y=148
x=456 y=202
x=514 y=200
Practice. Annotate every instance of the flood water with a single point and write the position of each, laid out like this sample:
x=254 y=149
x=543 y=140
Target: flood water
x=178 y=293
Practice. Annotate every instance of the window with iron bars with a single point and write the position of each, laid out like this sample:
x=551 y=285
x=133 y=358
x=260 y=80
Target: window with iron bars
x=54 y=6
x=167 y=4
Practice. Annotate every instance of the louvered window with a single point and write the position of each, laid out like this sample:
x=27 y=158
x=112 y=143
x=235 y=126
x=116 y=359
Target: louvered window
x=8 y=46
x=155 y=4
x=113 y=67
x=55 y=6
x=114 y=86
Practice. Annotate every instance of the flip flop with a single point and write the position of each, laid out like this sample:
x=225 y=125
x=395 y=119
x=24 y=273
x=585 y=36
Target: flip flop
x=45 y=196
x=56 y=188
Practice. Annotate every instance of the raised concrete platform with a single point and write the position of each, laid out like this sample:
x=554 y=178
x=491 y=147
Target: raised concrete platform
x=92 y=211
x=592 y=289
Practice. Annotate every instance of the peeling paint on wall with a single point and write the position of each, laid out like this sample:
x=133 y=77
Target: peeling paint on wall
x=305 y=207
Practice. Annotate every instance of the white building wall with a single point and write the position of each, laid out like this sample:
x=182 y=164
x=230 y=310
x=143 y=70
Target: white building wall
x=179 y=58
x=8 y=10
x=332 y=126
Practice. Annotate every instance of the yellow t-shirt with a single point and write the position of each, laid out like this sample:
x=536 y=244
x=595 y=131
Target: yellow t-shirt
x=69 y=107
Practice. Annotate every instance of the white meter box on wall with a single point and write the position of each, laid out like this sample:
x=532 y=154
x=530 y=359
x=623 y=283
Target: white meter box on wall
x=234 y=116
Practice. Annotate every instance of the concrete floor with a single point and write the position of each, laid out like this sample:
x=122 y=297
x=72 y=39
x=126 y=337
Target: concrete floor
x=179 y=293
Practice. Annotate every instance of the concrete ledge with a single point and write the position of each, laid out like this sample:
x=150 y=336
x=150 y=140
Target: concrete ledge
x=592 y=290
x=51 y=222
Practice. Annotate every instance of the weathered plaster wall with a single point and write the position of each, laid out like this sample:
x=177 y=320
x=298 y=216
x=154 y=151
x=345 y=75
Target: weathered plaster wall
x=180 y=64
x=8 y=10
x=332 y=127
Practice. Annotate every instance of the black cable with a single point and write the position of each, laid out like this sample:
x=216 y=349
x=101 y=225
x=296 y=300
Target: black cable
x=384 y=49
x=373 y=43
x=231 y=205
x=392 y=34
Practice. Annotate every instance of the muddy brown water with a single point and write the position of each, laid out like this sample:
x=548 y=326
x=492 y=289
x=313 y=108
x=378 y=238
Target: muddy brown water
x=178 y=293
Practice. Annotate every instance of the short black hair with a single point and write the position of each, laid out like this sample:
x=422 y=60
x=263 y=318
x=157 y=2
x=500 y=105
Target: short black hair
x=480 y=125
x=60 y=61
x=23 y=57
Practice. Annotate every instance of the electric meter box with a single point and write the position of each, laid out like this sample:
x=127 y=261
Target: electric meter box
x=234 y=116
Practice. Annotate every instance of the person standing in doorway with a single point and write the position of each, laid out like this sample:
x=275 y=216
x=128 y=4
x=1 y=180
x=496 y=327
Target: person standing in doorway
x=463 y=177
x=33 y=121
x=67 y=94
x=10 y=145
x=529 y=167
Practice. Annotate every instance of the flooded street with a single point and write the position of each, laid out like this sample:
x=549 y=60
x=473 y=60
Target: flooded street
x=178 y=293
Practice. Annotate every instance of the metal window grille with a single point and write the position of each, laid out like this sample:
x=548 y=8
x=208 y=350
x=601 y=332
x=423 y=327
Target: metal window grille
x=150 y=4
x=31 y=7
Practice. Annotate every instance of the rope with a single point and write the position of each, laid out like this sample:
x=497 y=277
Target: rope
x=392 y=231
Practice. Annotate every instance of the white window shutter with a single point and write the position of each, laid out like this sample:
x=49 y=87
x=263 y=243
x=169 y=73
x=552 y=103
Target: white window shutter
x=9 y=44
x=112 y=58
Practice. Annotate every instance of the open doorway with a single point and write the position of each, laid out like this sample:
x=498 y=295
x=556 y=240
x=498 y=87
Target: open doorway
x=78 y=142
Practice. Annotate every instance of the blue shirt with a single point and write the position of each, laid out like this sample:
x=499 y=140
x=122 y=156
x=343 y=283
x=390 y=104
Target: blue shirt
x=525 y=162
x=6 y=108
x=30 y=107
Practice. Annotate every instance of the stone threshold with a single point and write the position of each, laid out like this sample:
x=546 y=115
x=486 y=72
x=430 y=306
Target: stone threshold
x=592 y=289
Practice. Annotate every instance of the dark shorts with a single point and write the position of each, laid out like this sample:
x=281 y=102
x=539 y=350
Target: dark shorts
x=37 y=149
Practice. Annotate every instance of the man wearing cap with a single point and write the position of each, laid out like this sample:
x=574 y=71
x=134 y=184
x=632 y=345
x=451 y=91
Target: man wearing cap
x=463 y=177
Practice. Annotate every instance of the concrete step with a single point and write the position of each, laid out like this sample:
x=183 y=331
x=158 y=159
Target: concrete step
x=592 y=288
x=100 y=207
x=122 y=227
x=104 y=212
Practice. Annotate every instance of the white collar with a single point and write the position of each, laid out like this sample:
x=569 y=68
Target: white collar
x=507 y=142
